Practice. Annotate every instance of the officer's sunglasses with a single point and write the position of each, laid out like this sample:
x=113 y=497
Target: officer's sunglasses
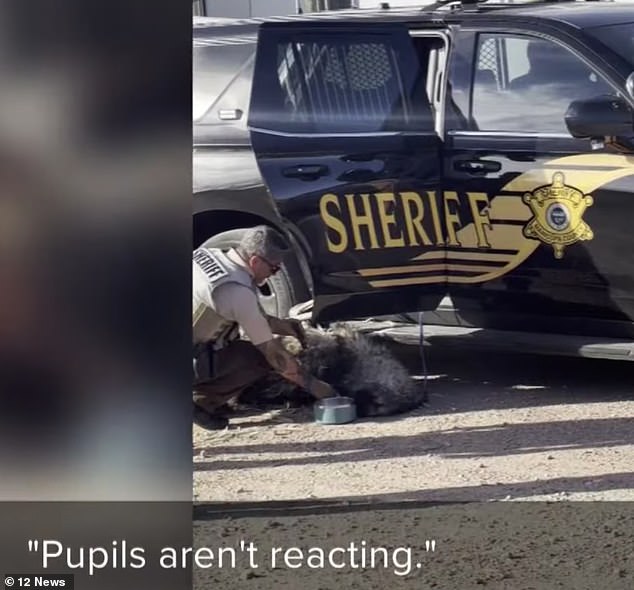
x=275 y=268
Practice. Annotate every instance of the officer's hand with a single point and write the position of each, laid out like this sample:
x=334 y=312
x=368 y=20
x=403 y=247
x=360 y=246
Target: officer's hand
x=296 y=329
x=321 y=389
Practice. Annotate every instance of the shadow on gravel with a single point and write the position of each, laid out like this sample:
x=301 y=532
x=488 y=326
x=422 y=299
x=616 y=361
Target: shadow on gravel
x=476 y=381
x=458 y=443
x=560 y=487
x=473 y=381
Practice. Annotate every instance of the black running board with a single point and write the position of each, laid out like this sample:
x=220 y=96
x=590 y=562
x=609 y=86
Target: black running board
x=464 y=337
x=499 y=340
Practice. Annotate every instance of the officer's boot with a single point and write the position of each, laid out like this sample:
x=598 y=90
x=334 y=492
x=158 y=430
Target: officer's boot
x=206 y=413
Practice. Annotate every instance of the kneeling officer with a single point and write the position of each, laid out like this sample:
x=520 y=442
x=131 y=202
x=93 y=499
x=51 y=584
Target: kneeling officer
x=224 y=301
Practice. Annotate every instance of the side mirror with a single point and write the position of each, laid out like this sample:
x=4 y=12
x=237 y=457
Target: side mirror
x=599 y=118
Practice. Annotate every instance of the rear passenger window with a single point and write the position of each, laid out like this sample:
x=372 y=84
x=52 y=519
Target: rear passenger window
x=331 y=84
x=339 y=84
x=526 y=84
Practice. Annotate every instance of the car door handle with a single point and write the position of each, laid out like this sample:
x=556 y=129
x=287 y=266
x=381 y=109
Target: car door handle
x=306 y=172
x=478 y=167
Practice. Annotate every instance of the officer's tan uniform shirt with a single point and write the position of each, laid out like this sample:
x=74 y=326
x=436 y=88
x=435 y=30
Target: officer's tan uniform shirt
x=240 y=304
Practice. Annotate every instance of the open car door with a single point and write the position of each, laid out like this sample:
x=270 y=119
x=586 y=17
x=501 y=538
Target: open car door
x=344 y=134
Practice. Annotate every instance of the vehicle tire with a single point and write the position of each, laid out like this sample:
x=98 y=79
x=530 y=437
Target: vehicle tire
x=281 y=291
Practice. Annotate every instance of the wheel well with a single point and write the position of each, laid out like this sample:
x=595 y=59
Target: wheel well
x=210 y=223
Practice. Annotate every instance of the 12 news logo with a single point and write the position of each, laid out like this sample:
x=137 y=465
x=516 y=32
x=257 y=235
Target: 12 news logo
x=65 y=581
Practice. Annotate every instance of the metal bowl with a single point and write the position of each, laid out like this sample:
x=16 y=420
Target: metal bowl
x=335 y=410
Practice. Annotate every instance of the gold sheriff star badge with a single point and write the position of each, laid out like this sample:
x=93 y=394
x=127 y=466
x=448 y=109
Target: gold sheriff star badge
x=557 y=214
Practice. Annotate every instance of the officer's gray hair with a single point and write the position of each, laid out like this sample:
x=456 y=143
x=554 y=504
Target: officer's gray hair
x=263 y=241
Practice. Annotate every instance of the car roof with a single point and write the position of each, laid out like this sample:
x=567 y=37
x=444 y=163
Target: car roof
x=575 y=13
x=580 y=14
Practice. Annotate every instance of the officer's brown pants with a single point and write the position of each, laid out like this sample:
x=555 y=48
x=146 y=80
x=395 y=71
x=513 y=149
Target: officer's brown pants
x=236 y=366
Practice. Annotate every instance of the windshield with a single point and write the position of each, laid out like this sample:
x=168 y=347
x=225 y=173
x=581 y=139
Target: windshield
x=619 y=38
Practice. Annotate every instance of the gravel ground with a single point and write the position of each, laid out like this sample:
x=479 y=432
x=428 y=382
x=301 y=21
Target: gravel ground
x=497 y=546
x=504 y=427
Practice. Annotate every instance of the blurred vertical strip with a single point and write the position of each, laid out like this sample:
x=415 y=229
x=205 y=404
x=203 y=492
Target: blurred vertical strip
x=95 y=247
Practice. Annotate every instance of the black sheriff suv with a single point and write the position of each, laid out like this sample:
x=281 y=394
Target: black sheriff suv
x=473 y=161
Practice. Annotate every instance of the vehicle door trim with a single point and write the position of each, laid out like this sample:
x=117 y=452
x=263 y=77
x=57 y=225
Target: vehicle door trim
x=337 y=134
x=438 y=100
x=528 y=134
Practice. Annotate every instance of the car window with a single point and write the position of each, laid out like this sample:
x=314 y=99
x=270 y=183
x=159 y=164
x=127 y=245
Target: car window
x=524 y=83
x=215 y=69
x=325 y=85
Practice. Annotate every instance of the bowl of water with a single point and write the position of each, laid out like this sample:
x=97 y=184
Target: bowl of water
x=335 y=410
